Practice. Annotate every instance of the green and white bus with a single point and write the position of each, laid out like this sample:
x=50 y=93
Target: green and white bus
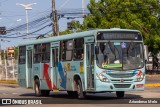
x=103 y=60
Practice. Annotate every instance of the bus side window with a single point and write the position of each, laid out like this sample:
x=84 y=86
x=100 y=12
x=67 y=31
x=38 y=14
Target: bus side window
x=66 y=50
x=22 y=55
x=45 y=52
x=63 y=50
x=37 y=53
x=78 y=51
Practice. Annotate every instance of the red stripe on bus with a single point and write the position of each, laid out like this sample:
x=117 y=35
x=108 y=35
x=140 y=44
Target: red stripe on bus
x=46 y=75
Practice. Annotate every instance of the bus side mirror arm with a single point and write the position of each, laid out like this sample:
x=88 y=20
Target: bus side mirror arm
x=96 y=50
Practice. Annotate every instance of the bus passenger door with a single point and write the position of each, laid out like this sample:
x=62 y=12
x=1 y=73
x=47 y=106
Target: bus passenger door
x=90 y=66
x=55 y=74
x=29 y=69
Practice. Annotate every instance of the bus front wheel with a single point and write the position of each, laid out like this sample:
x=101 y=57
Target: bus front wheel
x=80 y=93
x=120 y=94
x=71 y=93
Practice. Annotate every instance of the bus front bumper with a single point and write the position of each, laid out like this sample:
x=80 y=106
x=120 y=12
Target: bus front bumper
x=135 y=86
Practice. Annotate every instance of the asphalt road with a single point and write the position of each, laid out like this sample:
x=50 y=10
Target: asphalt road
x=151 y=93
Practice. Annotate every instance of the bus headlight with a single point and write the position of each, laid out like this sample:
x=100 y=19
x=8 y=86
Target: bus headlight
x=140 y=76
x=102 y=78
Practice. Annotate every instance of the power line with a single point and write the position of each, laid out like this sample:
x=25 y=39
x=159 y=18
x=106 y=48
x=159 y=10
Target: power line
x=76 y=13
x=40 y=21
x=28 y=33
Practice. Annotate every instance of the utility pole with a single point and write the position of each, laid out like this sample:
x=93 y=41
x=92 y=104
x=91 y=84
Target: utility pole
x=13 y=68
x=55 y=20
x=82 y=8
x=27 y=7
x=5 y=62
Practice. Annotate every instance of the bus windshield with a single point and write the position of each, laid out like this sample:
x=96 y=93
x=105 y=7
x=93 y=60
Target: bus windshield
x=120 y=55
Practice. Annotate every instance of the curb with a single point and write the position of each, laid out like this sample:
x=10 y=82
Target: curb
x=152 y=85
x=8 y=82
x=146 y=85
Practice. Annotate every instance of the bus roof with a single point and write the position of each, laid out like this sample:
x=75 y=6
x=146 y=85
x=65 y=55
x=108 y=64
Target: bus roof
x=71 y=36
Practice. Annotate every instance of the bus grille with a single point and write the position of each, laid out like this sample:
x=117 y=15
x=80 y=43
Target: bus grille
x=128 y=75
x=122 y=85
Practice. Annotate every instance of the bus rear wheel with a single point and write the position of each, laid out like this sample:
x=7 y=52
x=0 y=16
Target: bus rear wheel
x=36 y=87
x=45 y=93
x=39 y=92
x=120 y=94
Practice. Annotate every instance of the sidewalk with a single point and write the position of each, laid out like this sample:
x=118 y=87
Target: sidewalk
x=153 y=75
x=153 y=78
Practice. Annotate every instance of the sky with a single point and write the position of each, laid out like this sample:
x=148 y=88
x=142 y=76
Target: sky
x=12 y=15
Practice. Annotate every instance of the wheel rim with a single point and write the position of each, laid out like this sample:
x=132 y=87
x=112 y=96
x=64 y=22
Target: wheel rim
x=36 y=89
x=78 y=89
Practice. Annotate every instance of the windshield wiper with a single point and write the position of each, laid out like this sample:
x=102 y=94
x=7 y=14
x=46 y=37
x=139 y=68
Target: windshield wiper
x=130 y=47
x=112 y=49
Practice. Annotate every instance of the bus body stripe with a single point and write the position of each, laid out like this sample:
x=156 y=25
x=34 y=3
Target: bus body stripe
x=61 y=73
x=47 y=78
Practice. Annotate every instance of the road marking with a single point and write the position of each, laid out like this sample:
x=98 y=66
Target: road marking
x=153 y=85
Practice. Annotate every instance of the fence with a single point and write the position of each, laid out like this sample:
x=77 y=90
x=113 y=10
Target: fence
x=8 y=69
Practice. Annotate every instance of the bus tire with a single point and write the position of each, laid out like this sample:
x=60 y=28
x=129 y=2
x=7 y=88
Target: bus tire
x=80 y=93
x=45 y=93
x=36 y=87
x=39 y=92
x=72 y=93
x=120 y=94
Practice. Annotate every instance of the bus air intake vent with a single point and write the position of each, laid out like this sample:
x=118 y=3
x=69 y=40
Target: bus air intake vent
x=128 y=75
x=122 y=85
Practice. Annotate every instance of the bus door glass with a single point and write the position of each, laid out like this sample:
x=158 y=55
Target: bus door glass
x=90 y=65
x=29 y=67
x=55 y=67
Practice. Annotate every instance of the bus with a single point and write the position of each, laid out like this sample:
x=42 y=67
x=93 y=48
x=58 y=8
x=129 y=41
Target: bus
x=101 y=60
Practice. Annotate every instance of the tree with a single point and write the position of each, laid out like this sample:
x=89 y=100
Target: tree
x=76 y=27
x=3 y=55
x=16 y=53
x=141 y=15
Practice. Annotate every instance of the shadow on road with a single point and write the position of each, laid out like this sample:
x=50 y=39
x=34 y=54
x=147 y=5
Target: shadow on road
x=28 y=95
x=97 y=96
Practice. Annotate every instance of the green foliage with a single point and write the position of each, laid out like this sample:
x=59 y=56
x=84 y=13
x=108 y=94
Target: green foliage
x=66 y=32
x=16 y=53
x=128 y=14
x=3 y=55
x=76 y=27
x=141 y=15
x=50 y=35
